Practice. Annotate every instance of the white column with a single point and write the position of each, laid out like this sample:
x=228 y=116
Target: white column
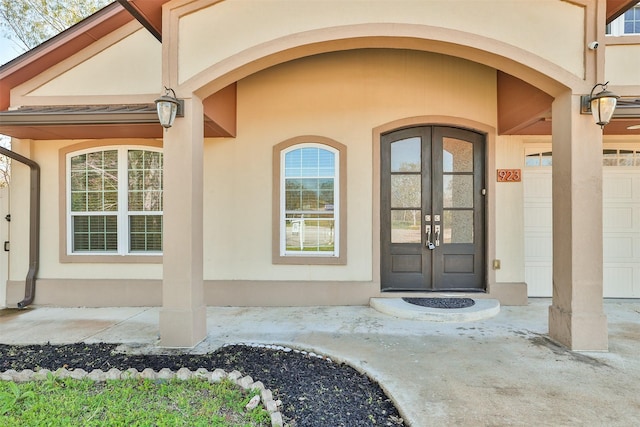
x=576 y=317
x=183 y=314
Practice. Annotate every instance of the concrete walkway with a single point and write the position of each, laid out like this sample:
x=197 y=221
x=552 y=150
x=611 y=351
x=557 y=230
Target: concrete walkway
x=495 y=372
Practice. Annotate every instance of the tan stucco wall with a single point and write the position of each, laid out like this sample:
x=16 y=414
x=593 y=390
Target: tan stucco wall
x=341 y=96
x=46 y=154
x=510 y=227
x=622 y=66
x=244 y=25
x=127 y=62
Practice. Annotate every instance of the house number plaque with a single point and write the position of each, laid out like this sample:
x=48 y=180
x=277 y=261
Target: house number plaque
x=509 y=175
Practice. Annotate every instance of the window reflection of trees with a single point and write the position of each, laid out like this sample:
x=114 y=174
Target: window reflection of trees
x=406 y=199
x=94 y=182
x=309 y=186
x=94 y=192
x=145 y=180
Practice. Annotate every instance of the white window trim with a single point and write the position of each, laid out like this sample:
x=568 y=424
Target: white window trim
x=123 y=201
x=336 y=203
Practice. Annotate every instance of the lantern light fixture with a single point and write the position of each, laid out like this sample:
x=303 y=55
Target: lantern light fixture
x=168 y=107
x=602 y=105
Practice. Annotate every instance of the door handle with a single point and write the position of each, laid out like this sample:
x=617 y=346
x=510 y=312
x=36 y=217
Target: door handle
x=428 y=243
x=437 y=235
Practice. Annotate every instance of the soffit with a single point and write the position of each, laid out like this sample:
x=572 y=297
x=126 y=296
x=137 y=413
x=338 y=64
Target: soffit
x=148 y=13
x=526 y=110
x=616 y=8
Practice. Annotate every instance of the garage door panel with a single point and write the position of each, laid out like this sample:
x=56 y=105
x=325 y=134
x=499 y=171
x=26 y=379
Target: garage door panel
x=619 y=282
x=617 y=187
x=538 y=217
x=617 y=218
x=537 y=186
x=539 y=247
x=539 y=279
x=616 y=247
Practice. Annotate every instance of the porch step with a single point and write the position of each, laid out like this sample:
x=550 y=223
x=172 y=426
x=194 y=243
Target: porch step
x=482 y=309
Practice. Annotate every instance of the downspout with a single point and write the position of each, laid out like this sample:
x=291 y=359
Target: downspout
x=34 y=226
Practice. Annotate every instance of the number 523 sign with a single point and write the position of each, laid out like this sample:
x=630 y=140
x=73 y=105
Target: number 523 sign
x=509 y=175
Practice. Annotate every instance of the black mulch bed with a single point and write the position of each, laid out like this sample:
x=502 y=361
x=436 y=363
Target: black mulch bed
x=441 y=302
x=314 y=391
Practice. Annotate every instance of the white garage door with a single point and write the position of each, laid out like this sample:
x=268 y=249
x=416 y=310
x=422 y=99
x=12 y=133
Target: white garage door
x=621 y=225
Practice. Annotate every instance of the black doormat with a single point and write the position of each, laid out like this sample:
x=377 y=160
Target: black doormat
x=441 y=302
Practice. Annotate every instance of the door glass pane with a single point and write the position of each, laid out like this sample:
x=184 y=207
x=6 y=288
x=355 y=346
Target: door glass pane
x=457 y=155
x=406 y=226
x=405 y=155
x=457 y=191
x=457 y=226
x=405 y=191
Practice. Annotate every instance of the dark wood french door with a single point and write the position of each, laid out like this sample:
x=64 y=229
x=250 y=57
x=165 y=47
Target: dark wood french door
x=432 y=210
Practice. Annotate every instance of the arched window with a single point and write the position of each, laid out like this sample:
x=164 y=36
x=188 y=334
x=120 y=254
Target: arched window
x=310 y=201
x=114 y=201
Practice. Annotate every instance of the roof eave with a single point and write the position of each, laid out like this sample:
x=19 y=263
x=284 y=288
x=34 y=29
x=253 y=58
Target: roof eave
x=47 y=54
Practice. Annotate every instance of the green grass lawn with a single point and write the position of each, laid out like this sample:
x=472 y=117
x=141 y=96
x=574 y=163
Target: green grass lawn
x=135 y=402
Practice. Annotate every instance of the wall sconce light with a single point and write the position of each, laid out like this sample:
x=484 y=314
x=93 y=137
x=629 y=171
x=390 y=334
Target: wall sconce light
x=601 y=105
x=168 y=108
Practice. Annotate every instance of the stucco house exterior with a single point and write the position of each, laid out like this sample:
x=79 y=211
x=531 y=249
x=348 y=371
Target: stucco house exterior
x=328 y=152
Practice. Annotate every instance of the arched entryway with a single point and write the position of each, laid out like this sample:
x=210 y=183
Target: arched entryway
x=197 y=72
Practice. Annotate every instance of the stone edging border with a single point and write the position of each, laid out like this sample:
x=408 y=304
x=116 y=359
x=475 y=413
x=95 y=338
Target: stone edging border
x=246 y=382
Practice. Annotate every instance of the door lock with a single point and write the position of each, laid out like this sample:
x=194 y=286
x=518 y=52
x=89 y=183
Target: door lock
x=429 y=244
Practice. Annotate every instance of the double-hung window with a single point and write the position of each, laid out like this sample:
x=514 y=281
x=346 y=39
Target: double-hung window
x=114 y=201
x=310 y=203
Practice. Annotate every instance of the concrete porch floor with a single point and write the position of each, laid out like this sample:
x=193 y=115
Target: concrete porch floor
x=499 y=371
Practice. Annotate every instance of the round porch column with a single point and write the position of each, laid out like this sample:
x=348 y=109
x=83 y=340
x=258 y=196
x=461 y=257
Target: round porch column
x=576 y=316
x=183 y=314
